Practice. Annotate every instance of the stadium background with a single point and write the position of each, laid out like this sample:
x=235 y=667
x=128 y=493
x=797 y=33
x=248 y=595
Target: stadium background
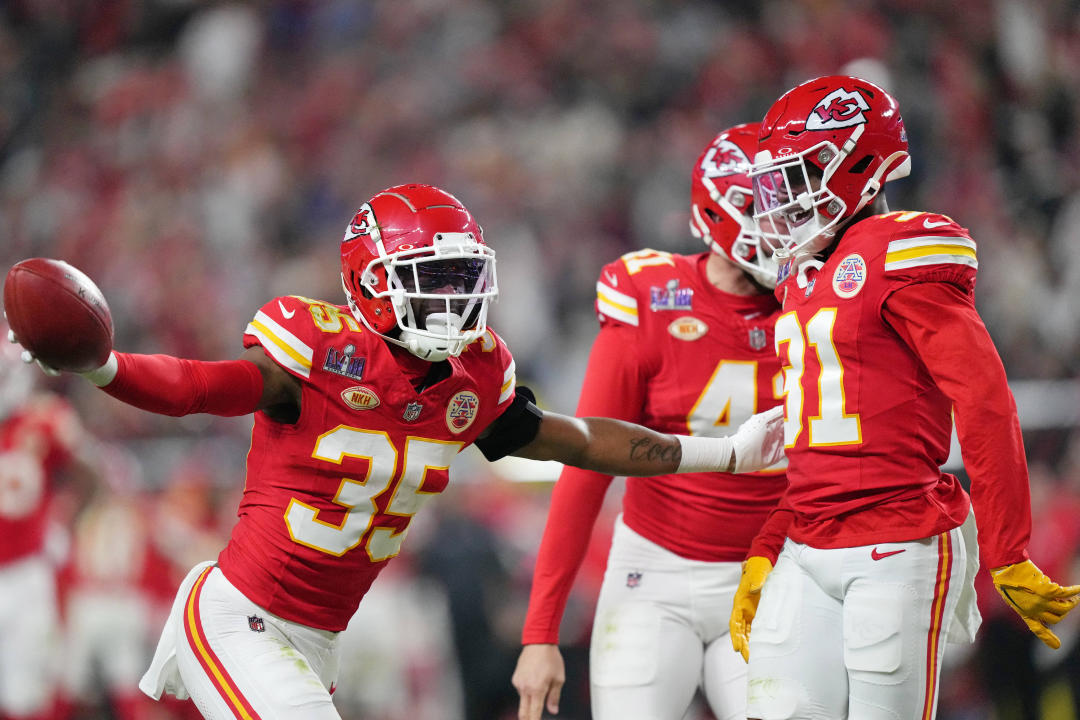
x=199 y=158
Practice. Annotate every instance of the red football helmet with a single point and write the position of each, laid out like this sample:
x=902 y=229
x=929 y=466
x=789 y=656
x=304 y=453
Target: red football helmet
x=824 y=150
x=417 y=272
x=722 y=203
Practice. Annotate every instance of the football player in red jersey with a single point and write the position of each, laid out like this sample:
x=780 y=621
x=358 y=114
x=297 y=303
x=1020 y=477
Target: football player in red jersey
x=359 y=410
x=40 y=438
x=685 y=345
x=882 y=347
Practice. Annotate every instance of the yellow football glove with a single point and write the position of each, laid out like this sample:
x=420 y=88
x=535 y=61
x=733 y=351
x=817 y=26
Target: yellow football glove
x=754 y=571
x=1039 y=600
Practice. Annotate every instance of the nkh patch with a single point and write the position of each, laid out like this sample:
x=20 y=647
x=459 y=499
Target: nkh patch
x=687 y=328
x=633 y=579
x=671 y=296
x=256 y=623
x=359 y=397
x=461 y=411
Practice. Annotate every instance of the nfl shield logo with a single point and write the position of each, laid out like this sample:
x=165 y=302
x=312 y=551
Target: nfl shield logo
x=757 y=338
x=633 y=579
x=412 y=411
x=256 y=623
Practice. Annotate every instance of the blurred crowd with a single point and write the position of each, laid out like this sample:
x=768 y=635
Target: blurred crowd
x=199 y=158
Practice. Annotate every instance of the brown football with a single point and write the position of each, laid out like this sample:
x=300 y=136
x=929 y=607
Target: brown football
x=58 y=313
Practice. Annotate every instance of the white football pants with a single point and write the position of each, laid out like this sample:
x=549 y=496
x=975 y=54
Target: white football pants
x=235 y=660
x=859 y=632
x=661 y=632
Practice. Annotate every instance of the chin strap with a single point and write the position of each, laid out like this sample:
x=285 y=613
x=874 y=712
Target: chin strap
x=436 y=349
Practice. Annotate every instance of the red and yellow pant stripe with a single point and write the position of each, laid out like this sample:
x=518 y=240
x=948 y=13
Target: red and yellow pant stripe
x=937 y=616
x=209 y=661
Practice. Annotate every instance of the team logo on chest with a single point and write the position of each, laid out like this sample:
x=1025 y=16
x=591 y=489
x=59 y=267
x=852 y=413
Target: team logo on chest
x=359 y=397
x=688 y=328
x=671 y=296
x=341 y=362
x=850 y=276
x=461 y=411
x=412 y=411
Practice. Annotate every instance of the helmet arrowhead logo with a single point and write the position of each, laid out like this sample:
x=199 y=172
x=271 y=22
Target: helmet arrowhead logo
x=839 y=109
x=724 y=158
x=360 y=224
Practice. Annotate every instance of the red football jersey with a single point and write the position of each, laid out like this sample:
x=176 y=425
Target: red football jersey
x=678 y=355
x=696 y=361
x=328 y=500
x=868 y=420
x=34 y=442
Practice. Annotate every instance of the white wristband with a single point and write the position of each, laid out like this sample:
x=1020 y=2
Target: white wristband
x=705 y=454
x=104 y=374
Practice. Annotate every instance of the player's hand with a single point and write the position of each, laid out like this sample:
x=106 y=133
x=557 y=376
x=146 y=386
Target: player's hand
x=1036 y=598
x=101 y=376
x=759 y=442
x=28 y=357
x=754 y=571
x=539 y=678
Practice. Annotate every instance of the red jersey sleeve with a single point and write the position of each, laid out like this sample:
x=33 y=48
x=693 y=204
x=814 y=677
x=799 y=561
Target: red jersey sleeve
x=770 y=538
x=939 y=322
x=613 y=387
x=288 y=327
x=928 y=247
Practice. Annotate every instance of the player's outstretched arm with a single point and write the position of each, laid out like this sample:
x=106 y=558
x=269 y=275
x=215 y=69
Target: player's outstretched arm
x=621 y=448
x=539 y=678
x=174 y=386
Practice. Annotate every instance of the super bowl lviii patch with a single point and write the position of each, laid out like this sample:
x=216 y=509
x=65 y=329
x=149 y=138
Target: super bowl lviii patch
x=341 y=362
x=671 y=296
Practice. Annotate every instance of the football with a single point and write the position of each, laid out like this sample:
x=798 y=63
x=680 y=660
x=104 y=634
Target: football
x=58 y=314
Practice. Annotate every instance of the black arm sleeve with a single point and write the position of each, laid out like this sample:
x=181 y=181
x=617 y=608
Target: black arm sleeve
x=514 y=429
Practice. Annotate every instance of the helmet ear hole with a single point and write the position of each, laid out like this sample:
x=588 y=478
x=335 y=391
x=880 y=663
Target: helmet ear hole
x=860 y=167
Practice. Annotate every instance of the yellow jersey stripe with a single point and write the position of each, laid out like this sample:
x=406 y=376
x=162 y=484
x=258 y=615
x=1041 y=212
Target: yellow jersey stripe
x=932 y=260
x=616 y=305
x=285 y=353
x=507 y=390
x=925 y=250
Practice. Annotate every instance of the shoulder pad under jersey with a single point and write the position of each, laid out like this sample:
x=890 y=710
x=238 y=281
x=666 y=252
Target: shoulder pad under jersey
x=491 y=349
x=289 y=328
x=921 y=246
x=623 y=287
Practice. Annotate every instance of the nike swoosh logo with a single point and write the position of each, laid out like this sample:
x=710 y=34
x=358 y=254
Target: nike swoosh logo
x=287 y=313
x=929 y=224
x=612 y=279
x=875 y=555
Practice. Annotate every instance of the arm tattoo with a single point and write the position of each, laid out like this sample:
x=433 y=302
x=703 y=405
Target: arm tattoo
x=653 y=451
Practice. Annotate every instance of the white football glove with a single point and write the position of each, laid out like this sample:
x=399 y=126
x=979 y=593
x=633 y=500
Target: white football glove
x=101 y=377
x=759 y=442
x=28 y=357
